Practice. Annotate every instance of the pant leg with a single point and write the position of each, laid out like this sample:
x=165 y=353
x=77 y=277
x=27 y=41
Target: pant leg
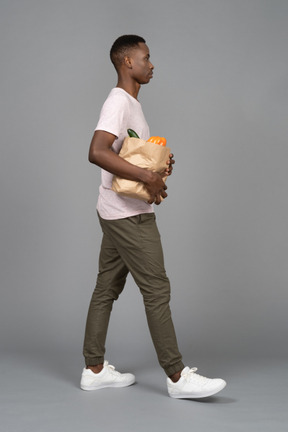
x=138 y=242
x=110 y=283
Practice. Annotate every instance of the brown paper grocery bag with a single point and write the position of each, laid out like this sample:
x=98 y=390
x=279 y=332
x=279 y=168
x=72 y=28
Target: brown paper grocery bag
x=144 y=154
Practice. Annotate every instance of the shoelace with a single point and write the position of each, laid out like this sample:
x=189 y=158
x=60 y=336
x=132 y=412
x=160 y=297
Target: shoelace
x=111 y=367
x=191 y=374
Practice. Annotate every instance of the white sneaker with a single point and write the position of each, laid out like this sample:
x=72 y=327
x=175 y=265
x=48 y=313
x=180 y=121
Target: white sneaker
x=194 y=386
x=108 y=377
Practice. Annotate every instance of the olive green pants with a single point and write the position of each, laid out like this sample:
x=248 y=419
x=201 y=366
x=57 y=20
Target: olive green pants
x=132 y=245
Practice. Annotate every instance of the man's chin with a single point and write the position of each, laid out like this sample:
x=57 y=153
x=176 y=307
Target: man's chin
x=147 y=81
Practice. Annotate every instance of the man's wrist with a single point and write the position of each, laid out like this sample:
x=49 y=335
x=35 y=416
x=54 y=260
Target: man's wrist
x=145 y=176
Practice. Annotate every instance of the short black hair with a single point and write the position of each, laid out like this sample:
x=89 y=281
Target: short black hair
x=121 y=46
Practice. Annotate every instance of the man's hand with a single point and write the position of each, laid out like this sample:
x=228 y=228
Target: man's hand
x=170 y=164
x=155 y=187
x=157 y=198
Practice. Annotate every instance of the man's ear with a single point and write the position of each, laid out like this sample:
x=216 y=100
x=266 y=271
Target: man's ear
x=128 y=62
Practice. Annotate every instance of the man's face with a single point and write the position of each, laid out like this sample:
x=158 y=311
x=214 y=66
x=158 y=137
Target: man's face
x=142 y=68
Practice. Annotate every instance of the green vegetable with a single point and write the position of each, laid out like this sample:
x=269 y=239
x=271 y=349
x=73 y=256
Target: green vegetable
x=132 y=133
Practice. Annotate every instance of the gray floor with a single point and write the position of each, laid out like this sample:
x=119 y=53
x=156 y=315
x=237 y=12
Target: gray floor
x=40 y=392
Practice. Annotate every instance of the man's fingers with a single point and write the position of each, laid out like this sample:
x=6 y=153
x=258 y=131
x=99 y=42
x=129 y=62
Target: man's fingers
x=170 y=164
x=164 y=194
x=157 y=199
x=171 y=161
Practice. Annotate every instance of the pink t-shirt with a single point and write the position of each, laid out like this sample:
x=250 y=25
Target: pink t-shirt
x=120 y=112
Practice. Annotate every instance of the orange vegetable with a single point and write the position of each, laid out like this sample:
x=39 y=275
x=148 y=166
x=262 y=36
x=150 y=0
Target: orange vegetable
x=157 y=140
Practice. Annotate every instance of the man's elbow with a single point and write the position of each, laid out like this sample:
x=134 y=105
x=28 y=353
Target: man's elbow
x=93 y=156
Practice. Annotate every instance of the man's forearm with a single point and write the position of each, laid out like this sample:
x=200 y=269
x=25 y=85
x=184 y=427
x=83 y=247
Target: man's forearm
x=113 y=163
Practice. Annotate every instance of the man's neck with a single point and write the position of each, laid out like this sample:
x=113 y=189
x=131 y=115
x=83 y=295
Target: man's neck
x=130 y=87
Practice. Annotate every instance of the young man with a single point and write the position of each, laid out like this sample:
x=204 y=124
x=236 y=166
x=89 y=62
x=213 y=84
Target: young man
x=131 y=241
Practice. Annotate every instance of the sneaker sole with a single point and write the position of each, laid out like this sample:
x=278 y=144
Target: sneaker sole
x=198 y=395
x=112 y=385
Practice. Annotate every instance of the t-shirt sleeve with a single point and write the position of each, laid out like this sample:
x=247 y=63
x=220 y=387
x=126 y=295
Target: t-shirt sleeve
x=113 y=114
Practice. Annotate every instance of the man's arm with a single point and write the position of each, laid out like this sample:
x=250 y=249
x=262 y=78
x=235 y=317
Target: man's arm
x=101 y=154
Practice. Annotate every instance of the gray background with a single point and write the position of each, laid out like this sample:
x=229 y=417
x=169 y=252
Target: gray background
x=219 y=95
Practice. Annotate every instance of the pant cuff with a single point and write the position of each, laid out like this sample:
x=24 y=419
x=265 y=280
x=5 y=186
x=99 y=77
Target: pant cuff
x=93 y=361
x=178 y=367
